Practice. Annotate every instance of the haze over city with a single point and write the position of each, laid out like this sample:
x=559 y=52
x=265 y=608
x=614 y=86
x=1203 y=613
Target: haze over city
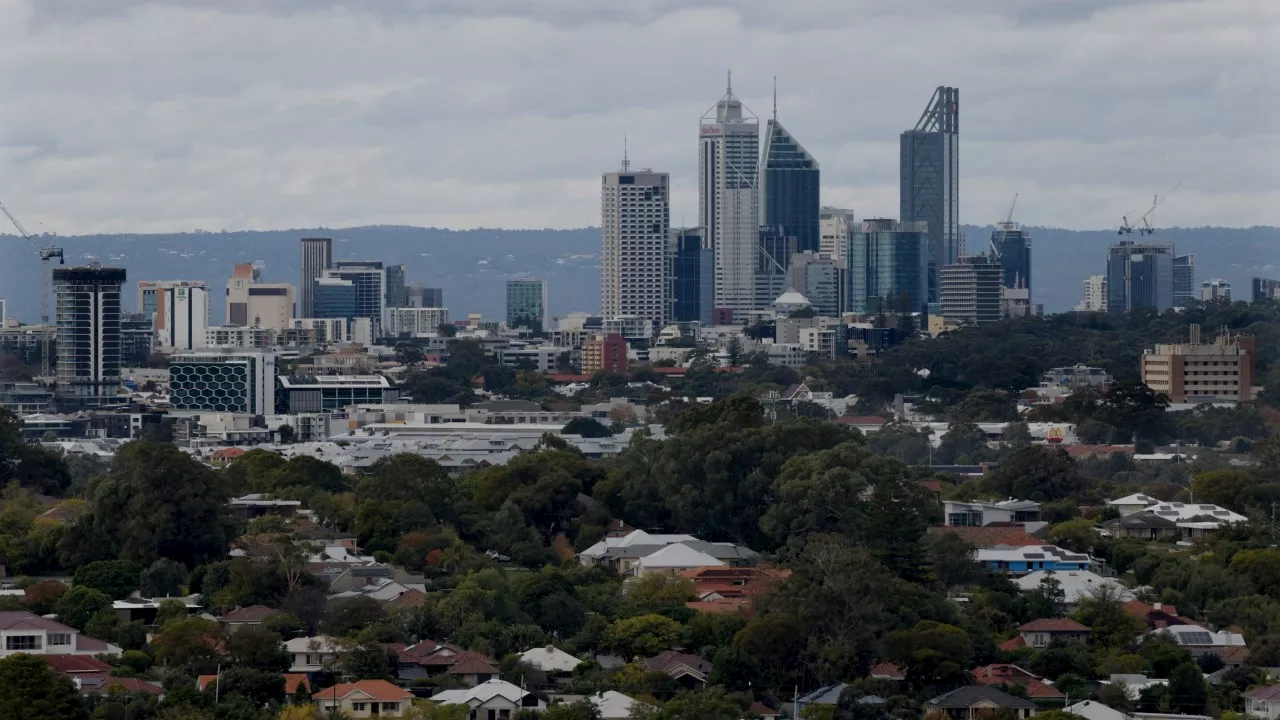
x=124 y=116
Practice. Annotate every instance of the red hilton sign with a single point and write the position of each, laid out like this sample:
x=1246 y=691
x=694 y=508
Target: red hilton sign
x=711 y=130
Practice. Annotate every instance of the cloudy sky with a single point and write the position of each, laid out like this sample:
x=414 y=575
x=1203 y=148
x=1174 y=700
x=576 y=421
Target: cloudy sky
x=123 y=115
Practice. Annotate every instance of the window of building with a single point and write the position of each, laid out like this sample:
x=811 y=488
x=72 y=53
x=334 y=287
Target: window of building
x=22 y=642
x=357 y=707
x=390 y=707
x=59 y=639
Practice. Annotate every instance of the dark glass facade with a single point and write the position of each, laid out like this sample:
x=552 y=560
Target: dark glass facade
x=1265 y=289
x=1011 y=247
x=789 y=179
x=1151 y=276
x=1184 y=280
x=334 y=299
x=888 y=267
x=692 y=274
x=929 y=180
x=88 y=317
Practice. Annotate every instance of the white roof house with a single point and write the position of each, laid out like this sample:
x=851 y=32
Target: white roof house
x=1094 y=710
x=550 y=659
x=613 y=705
x=1131 y=504
x=676 y=557
x=1133 y=685
x=1192 y=512
x=497 y=695
x=633 y=538
x=1076 y=584
x=1201 y=640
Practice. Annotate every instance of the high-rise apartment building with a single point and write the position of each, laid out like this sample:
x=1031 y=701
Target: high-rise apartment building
x=317 y=256
x=415 y=321
x=789 y=187
x=253 y=303
x=181 y=315
x=425 y=296
x=728 y=156
x=1215 y=289
x=635 y=217
x=604 y=353
x=691 y=276
x=370 y=281
x=773 y=263
x=971 y=291
x=235 y=381
x=1195 y=371
x=527 y=304
x=1011 y=247
x=397 y=291
x=821 y=280
x=1184 y=279
x=929 y=177
x=333 y=297
x=88 y=317
x=1265 y=289
x=888 y=267
x=1095 y=294
x=1139 y=275
x=835 y=225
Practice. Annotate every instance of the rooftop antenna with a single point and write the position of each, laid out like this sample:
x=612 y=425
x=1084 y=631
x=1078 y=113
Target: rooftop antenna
x=775 y=98
x=728 y=88
x=626 y=163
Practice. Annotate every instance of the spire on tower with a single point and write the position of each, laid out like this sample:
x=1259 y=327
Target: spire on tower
x=728 y=88
x=626 y=163
x=775 y=98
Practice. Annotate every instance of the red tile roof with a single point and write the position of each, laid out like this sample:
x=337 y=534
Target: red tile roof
x=227 y=453
x=727 y=605
x=1234 y=655
x=1012 y=643
x=1006 y=674
x=251 y=614
x=1266 y=692
x=762 y=710
x=132 y=685
x=887 y=670
x=472 y=663
x=292 y=681
x=990 y=536
x=72 y=664
x=379 y=690
x=409 y=599
x=1053 y=625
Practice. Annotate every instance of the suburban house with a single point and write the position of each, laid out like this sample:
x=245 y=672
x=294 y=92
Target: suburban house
x=244 y=617
x=363 y=699
x=685 y=668
x=827 y=695
x=989 y=536
x=313 y=654
x=1037 y=689
x=974 y=701
x=1131 y=504
x=492 y=700
x=255 y=505
x=1201 y=641
x=613 y=705
x=145 y=609
x=1263 y=702
x=1027 y=559
x=1041 y=633
x=982 y=514
x=425 y=659
x=1193 y=519
x=887 y=671
x=1146 y=526
x=1156 y=615
x=624 y=553
x=1094 y=710
x=472 y=668
x=25 y=632
x=92 y=676
x=1076 y=584
x=551 y=660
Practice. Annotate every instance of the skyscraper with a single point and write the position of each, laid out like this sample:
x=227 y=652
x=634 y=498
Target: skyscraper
x=929 y=174
x=835 y=225
x=1184 y=279
x=789 y=187
x=773 y=261
x=1265 y=289
x=182 y=315
x=1215 y=289
x=253 y=303
x=888 y=267
x=88 y=316
x=1139 y=275
x=397 y=291
x=527 y=304
x=317 y=256
x=728 y=156
x=635 y=215
x=1011 y=247
x=691 y=277
x=370 y=280
x=1095 y=294
x=970 y=291
x=821 y=280
x=333 y=297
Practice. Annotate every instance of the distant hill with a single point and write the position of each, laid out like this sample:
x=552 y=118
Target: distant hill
x=472 y=265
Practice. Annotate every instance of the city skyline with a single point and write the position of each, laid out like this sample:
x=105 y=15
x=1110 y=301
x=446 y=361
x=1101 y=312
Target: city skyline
x=212 y=143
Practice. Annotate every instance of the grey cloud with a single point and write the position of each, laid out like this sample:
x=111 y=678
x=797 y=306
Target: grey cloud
x=124 y=115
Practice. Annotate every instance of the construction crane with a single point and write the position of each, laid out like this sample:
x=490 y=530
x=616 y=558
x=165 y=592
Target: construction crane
x=1009 y=220
x=46 y=254
x=1156 y=202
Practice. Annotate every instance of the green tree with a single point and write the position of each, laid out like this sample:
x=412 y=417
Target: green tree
x=259 y=686
x=190 y=644
x=932 y=653
x=1018 y=435
x=1188 y=689
x=586 y=427
x=776 y=643
x=163 y=578
x=963 y=439
x=114 y=578
x=642 y=636
x=79 y=604
x=368 y=661
x=658 y=591
x=1038 y=473
x=157 y=502
x=1102 y=610
x=257 y=647
x=351 y=615
x=1261 y=567
x=952 y=561
x=29 y=688
x=1077 y=535
x=580 y=710
x=28 y=464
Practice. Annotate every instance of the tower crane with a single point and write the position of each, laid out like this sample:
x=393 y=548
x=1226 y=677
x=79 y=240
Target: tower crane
x=1009 y=220
x=46 y=254
x=1156 y=202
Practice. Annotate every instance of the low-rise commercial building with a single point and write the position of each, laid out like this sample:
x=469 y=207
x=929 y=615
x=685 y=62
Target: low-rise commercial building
x=1222 y=370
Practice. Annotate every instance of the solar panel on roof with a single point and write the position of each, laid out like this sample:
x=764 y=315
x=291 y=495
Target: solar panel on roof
x=1195 y=638
x=1034 y=556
